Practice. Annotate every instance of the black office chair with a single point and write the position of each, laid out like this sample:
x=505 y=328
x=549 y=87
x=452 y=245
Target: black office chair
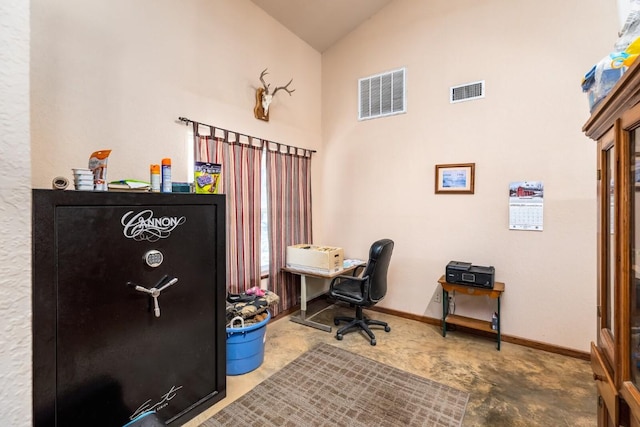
x=364 y=291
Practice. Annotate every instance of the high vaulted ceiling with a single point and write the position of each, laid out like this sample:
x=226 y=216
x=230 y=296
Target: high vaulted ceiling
x=321 y=23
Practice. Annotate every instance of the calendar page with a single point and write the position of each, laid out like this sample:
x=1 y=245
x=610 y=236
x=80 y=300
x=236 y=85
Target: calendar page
x=526 y=203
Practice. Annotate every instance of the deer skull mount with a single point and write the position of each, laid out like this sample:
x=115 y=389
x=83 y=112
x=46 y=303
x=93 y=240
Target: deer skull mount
x=264 y=96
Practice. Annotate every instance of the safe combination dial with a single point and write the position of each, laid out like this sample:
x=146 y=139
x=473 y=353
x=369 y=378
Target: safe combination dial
x=153 y=258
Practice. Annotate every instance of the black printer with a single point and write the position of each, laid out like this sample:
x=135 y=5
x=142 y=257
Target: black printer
x=464 y=273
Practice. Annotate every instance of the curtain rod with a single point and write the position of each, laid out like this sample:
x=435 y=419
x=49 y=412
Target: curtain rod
x=187 y=121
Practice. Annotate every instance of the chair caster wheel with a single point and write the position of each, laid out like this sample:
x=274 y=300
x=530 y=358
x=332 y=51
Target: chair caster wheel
x=373 y=342
x=339 y=337
x=336 y=322
x=387 y=329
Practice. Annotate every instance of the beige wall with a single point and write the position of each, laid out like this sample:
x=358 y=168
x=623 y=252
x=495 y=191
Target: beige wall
x=117 y=74
x=378 y=175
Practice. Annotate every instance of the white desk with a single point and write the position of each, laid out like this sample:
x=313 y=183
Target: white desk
x=302 y=317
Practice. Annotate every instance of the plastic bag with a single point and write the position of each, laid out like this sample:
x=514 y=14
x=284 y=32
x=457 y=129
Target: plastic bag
x=631 y=28
x=599 y=81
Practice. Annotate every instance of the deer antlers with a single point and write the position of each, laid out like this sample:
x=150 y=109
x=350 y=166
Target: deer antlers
x=264 y=97
x=266 y=86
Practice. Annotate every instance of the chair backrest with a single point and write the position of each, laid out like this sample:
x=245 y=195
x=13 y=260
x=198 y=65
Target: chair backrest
x=377 y=266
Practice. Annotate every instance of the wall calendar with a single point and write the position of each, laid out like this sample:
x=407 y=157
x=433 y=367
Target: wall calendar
x=526 y=203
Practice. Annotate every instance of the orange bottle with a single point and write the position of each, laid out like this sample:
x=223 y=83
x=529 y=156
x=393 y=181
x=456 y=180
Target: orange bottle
x=166 y=175
x=155 y=178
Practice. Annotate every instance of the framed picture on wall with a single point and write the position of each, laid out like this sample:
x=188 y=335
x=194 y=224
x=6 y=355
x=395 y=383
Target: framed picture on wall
x=455 y=178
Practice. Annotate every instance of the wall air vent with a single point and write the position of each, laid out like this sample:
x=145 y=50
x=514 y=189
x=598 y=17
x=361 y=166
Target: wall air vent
x=382 y=95
x=466 y=92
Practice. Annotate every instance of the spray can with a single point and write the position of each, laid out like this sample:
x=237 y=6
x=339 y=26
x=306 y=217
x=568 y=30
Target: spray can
x=494 y=321
x=166 y=175
x=155 y=178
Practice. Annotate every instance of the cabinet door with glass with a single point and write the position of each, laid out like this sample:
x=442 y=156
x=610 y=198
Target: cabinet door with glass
x=604 y=352
x=615 y=357
x=630 y=264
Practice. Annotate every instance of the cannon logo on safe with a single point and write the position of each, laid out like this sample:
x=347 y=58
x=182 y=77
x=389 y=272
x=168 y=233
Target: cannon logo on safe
x=143 y=226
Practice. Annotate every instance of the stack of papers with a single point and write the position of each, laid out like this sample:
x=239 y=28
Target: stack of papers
x=129 y=185
x=351 y=262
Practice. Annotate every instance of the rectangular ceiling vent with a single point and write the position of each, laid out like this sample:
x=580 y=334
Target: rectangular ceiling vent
x=382 y=95
x=466 y=92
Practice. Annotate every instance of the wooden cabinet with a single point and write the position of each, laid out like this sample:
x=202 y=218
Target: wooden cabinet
x=615 y=357
x=128 y=306
x=469 y=322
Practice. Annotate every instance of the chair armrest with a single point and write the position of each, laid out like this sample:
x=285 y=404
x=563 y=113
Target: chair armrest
x=354 y=275
x=355 y=272
x=364 y=284
x=342 y=277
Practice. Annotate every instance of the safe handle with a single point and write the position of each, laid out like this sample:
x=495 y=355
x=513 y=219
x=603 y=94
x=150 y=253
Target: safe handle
x=155 y=291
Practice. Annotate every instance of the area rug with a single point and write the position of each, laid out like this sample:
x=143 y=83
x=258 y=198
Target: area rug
x=329 y=386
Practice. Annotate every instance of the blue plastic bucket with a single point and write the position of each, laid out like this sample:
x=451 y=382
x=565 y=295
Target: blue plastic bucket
x=245 y=346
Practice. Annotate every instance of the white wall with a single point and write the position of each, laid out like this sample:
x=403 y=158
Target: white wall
x=379 y=174
x=15 y=216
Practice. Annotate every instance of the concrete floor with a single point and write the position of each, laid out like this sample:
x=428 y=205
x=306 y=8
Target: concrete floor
x=516 y=386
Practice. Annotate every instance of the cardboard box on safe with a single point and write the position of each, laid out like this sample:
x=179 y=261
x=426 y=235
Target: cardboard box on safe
x=319 y=259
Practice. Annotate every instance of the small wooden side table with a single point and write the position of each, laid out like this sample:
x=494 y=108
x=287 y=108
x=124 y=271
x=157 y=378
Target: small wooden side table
x=469 y=322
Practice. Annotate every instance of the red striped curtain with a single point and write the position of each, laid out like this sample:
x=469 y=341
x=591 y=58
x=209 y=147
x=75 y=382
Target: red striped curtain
x=241 y=182
x=289 y=199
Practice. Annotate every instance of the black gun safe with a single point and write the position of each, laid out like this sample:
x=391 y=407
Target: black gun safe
x=128 y=306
